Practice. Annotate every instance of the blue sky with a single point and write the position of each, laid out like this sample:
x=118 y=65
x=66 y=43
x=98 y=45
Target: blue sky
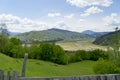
x=73 y=15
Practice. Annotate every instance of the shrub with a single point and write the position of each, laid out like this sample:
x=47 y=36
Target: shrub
x=79 y=56
x=83 y=54
x=104 y=67
x=74 y=58
x=96 y=54
x=113 y=56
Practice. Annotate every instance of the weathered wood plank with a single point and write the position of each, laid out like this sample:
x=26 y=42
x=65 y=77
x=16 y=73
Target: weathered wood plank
x=96 y=77
x=1 y=75
x=15 y=75
x=92 y=77
x=8 y=75
x=24 y=65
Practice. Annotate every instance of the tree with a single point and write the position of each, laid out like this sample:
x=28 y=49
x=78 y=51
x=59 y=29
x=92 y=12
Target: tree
x=34 y=51
x=53 y=53
x=116 y=44
x=15 y=41
x=17 y=51
x=46 y=51
x=4 y=30
x=114 y=54
x=3 y=43
x=59 y=55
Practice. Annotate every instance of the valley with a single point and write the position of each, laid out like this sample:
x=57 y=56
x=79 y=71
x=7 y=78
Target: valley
x=80 y=45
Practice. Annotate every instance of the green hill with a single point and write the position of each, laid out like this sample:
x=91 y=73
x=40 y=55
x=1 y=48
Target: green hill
x=52 y=35
x=38 y=68
x=108 y=39
x=8 y=63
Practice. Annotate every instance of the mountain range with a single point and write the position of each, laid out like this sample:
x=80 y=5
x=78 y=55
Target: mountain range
x=53 y=35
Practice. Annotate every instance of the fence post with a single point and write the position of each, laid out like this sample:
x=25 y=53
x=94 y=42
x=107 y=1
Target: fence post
x=1 y=75
x=24 y=65
x=15 y=75
x=8 y=75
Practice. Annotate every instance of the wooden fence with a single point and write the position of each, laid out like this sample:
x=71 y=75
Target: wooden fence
x=8 y=76
x=14 y=76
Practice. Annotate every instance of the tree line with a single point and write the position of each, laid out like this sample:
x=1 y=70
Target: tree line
x=106 y=61
x=46 y=51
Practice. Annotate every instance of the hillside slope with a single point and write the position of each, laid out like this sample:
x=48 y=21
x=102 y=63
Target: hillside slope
x=8 y=63
x=94 y=34
x=52 y=35
x=107 y=39
x=38 y=68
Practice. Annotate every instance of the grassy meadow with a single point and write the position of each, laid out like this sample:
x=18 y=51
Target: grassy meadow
x=38 y=68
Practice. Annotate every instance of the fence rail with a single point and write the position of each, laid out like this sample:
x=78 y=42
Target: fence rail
x=14 y=76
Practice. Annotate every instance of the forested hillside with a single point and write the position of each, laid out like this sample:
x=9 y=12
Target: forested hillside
x=108 y=39
x=52 y=35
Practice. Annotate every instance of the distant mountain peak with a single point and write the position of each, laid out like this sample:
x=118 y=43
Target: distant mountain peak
x=94 y=34
x=88 y=32
x=59 y=30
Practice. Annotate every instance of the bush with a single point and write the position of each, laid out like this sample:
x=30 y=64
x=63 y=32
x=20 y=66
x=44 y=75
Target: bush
x=83 y=54
x=79 y=56
x=96 y=54
x=114 y=56
x=104 y=67
x=74 y=58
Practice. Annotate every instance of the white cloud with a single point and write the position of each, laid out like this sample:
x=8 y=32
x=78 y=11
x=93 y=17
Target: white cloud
x=17 y=24
x=112 y=20
x=59 y=25
x=9 y=18
x=89 y=3
x=69 y=16
x=81 y=20
x=54 y=14
x=85 y=3
x=91 y=10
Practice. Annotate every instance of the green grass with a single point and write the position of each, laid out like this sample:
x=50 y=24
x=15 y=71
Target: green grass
x=45 y=69
x=8 y=63
x=38 y=68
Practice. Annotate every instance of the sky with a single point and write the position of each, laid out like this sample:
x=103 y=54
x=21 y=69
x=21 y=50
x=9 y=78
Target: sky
x=73 y=15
